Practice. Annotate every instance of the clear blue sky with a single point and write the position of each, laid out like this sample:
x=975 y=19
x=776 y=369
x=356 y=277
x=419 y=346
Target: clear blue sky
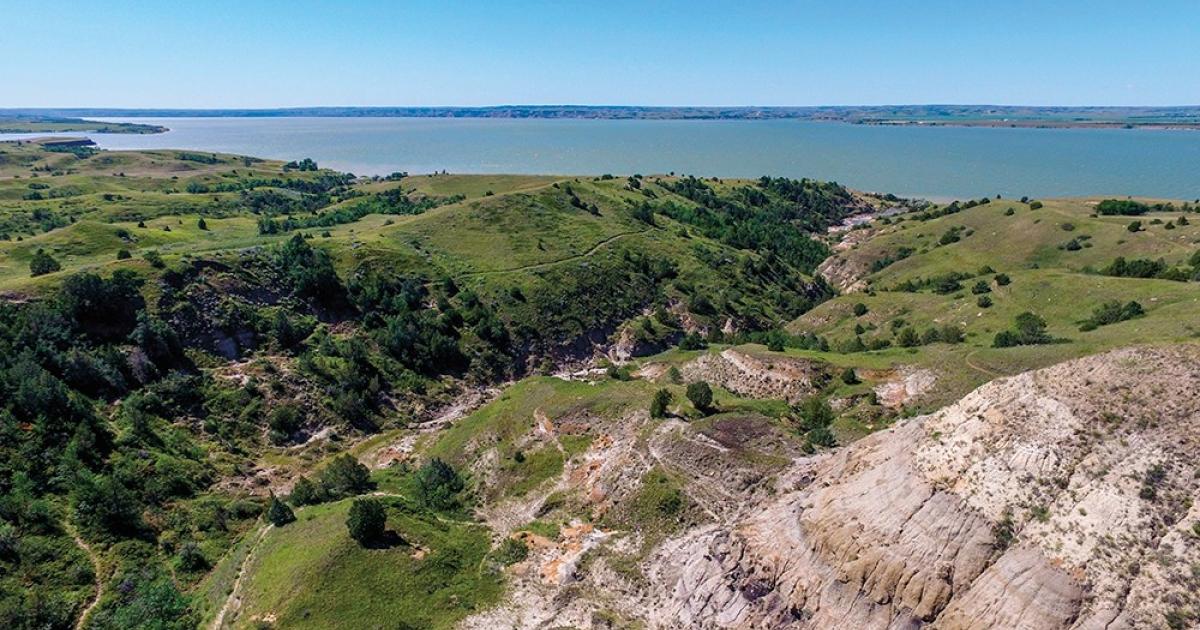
x=265 y=53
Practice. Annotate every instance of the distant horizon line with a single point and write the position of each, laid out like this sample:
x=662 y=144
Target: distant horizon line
x=49 y=108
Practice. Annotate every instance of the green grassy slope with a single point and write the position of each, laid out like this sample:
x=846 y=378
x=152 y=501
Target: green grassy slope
x=311 y=574
x=1057 y=283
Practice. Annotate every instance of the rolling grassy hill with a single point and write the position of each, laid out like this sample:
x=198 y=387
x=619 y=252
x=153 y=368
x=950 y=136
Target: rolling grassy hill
x=1059 y=282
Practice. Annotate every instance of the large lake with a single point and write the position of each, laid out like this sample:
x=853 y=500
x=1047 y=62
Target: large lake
x=935 y=162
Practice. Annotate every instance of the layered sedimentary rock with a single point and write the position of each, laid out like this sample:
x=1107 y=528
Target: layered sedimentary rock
x=1061 y=498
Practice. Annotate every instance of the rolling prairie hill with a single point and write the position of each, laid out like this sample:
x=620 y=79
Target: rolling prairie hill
x=1054 y=260
x=634 y=401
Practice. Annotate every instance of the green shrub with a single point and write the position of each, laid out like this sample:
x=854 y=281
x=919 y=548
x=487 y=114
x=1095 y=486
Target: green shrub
x=278 y=512
x=366 y=521
x=700 y=395
x=345 y=476
x=658 y=405
x=1112 y=312
x=438 y=485
x=510 y=551
x=1030 y=329
x=42 y=264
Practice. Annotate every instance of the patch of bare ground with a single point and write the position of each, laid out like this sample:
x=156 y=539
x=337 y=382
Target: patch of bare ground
x=753 y=376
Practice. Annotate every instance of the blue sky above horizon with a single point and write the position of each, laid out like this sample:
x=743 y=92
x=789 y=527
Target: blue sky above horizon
x=269 y=53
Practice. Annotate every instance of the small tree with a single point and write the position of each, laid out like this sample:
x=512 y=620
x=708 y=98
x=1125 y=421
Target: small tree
x=908 y=338
x=981 y=287
x=815 y=413
x=438 y=485
x=345 y=476
x=860 y=309
x=42 y=264
x=658 y=406
x=1031 y=328
x=191 y=558
x=776 y=341
x=849 y=377
x=822 y=436
x=1003 y=280
x=202 y=224
x=366 y=520
x=306 y=492
x=674 y=376
x=950 y=334
x=279 y=513
x=10 y=540
x=984 y=301
x=700 y=395
x=692 y=341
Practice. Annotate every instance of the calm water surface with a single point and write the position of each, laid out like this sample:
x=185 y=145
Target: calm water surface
x=923 y=161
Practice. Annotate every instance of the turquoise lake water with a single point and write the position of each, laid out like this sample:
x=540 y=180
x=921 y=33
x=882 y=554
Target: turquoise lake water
x=936 y=162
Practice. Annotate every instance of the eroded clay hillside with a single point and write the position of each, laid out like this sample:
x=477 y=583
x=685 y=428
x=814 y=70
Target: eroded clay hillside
x=1059 y=498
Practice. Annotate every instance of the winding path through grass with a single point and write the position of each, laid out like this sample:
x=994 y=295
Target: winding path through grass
x=550 y=263
x=95 y=560
x=980 y=368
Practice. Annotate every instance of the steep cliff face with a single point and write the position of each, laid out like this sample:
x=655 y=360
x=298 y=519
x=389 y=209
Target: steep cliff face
x=1061 y=498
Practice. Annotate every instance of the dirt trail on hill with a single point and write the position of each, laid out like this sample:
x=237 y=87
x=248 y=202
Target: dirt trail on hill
x=92 y=556
x=235 y=592
x=980 y=368
x=550 y=263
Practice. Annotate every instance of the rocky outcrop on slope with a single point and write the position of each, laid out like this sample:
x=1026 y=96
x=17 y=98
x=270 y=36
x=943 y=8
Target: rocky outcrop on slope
x=1061 y=498
x=844 y=273
x=751 y=376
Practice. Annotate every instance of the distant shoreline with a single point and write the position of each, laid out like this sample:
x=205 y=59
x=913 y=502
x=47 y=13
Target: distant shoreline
x=15 y=124
x=1180 y=117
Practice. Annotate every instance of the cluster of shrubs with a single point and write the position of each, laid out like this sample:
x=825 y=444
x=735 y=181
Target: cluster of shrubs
x=954 y=207
x=1128 y=207
x=1028 y=329
x=904 y=337
x=764 y=217
x=307 y=164
x=1112 y=312
x=1146 y=268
